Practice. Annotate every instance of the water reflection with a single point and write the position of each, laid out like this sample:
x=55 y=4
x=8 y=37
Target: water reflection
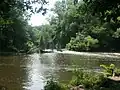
x=34 y=69
x=10 y=72
x=28 y=72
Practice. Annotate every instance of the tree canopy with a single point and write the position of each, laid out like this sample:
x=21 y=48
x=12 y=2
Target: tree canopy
x=88 y=25
x=14 y=28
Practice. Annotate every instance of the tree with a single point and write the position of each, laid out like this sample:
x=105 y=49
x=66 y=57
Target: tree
x=82 y=17
x=14 y=28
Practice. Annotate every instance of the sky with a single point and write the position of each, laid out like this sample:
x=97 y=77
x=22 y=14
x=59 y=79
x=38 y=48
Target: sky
x=39 y=19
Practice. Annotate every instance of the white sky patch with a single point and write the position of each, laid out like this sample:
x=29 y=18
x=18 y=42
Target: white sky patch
x=39 y=19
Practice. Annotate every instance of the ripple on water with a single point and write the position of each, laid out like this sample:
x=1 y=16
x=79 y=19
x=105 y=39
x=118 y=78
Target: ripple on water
x=28 y=72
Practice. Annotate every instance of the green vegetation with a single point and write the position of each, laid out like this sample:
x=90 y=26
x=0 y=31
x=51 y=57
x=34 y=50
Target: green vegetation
x=88 y=25
x=110 y=70
x=80 y=27
x=15 y=33
x=82 y=44
x=94 y=81
x=53 y=85
x=88 y=81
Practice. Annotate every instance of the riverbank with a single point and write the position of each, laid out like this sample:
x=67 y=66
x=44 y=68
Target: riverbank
x=10 y=53
x=65 y=51
x=82 y=80
x=85 y=81
x=99 y=54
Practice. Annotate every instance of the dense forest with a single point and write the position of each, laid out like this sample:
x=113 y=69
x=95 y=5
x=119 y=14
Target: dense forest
x=15 y=33
x=88 y=25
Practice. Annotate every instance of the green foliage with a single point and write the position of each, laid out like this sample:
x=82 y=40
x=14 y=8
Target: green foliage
x=44 y=36
x=82 y=43
x=110 y=70
x=117 y=72
x=25 y=5
x=15 y=33
x=106 y=9
x=98 y=26
x=117 y=33
x=53 y=85
x=90 y=80
x=88 y=25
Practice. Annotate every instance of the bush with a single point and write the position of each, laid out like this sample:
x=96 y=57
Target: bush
x=53 y=85
x=110 y=70
x=117 y=72
x=82 y=44
x=89 y=80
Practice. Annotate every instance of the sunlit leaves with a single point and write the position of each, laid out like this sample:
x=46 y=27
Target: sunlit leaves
x=93 y=24
x=117 y=33
x=118 y=18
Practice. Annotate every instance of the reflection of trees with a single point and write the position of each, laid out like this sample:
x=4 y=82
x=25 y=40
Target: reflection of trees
x=24 y=71
x=3 y=88
x=64 y=76
x=11 y=73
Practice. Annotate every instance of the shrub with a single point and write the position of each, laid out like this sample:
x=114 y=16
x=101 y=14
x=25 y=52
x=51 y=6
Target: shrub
x=89 y=80
x=110 y=70
x=117 y=72
x=82 y=44
x=53 y=85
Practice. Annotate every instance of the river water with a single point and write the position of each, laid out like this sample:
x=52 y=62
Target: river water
x=29 y=72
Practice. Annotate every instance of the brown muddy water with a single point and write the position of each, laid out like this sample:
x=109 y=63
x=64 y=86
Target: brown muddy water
x=29 y=72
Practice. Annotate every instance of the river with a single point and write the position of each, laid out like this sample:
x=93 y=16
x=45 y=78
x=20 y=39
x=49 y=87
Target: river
x=29 y=72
